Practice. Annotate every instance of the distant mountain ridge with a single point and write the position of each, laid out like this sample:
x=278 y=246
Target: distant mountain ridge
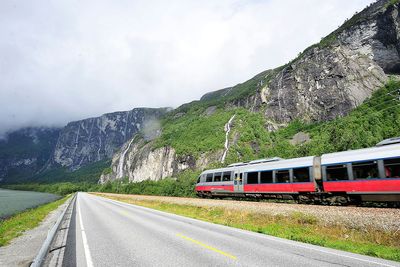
x=28 y=151
x=94 y=139
x=25 y=152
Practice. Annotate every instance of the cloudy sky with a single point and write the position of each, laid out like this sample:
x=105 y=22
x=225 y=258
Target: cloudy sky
x=65 y=60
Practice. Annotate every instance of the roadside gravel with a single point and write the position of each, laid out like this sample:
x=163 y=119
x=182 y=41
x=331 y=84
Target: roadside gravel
x=385 y=219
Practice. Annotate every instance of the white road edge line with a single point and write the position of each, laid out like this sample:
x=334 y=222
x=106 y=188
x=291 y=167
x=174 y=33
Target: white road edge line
x=89 y=262
x=289 y=242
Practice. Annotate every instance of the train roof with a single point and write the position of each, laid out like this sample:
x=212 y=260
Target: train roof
x=257 y=161
x=390 y=141
x=281 y=164
x=372 y=153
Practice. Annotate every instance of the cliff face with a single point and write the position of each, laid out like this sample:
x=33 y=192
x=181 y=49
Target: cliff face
x=90 y=140
x=138 y=160
x=327 y=80
x=29 y=152
x=25 y=152
x=331 y=78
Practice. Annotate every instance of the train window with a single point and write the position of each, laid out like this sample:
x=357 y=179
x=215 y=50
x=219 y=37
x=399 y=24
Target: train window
x=266 y=177
x=282 y=176
x=217 y=177
x=226 y=176
x=252 y=177
x=337 y=172
x=209 y=177
x=198 y=179
x=301 y=175
x=392 y=168
x=365 y=170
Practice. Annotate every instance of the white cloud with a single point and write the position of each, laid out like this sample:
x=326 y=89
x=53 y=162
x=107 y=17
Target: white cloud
x=65 y=60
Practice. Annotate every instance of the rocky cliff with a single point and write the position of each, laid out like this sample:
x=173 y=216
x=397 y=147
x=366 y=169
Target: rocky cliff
x=90 y=140
x=138 y=160
x=330 y=78
x=333 y=77
x=25 y=152
x=325 y=81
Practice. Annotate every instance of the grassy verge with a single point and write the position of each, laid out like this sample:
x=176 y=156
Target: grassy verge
x=14 y=226
x=296 y=226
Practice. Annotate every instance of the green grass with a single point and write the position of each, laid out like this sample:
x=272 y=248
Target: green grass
x=296 y=226
x=16 y=225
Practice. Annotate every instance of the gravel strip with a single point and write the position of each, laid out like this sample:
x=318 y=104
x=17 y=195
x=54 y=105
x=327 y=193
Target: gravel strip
x=352 y=217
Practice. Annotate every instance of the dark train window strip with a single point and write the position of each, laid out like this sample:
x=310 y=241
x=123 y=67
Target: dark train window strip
x=217 y=177
x=365 y=170
x=337 y=172
x=252 y=177
x=282 y=176
x=266 y=177
x=392 y=168
x=226 y=176
x=301 y=175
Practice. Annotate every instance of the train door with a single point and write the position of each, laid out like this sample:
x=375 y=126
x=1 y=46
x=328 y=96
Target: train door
x=238 y=181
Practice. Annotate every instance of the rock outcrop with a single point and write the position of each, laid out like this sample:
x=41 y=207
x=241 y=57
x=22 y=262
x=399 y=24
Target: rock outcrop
x=90 y=140
x=138 y=160
x=331 y=78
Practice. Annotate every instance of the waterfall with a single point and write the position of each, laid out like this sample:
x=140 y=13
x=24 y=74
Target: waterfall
x=121 y=160
x=227 y=130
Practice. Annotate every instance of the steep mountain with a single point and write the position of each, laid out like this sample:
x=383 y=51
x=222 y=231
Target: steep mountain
x=47 y=154
x=326 y=81
x=24 y=152
x=95 y=139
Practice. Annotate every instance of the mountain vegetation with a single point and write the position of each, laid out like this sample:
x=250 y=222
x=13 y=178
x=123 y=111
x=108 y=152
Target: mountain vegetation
x=376 y=119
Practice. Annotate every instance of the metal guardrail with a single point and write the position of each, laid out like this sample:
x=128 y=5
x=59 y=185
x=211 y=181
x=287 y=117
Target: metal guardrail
x=44 y=250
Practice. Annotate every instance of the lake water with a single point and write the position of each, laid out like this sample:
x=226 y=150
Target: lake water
x=14 y=201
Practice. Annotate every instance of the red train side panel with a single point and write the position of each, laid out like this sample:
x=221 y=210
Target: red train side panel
x=212 y=188
x=280 y=187
x=371 y=186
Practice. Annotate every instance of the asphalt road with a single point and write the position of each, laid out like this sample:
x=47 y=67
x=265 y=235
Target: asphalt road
x=105 y=232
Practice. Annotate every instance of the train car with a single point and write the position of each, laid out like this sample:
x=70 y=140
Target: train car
x=371 y=174
x=262 y=178
x=216 y=182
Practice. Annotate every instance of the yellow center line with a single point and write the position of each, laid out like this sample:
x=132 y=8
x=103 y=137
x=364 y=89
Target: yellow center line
x=124 y=213
x=207 y=246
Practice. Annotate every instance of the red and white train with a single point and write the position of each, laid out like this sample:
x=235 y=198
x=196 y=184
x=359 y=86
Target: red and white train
x=370 y=174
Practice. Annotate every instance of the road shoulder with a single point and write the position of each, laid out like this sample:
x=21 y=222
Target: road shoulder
x=22 y=250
